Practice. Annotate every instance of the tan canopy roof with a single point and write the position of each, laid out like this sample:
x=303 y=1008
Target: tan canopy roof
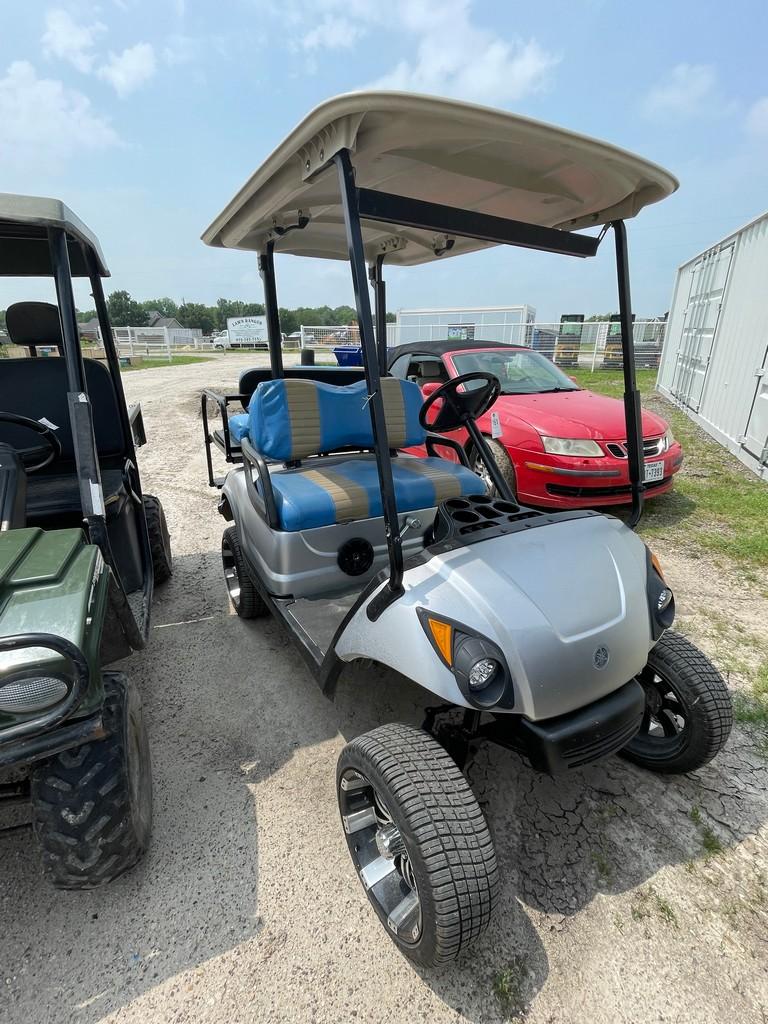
x=436 y=150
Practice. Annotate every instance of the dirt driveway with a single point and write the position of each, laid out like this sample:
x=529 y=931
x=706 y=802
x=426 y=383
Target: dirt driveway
x=626 y=897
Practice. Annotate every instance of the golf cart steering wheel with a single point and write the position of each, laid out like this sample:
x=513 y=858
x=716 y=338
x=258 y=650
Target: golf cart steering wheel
x=460 y=406
x=41 y=455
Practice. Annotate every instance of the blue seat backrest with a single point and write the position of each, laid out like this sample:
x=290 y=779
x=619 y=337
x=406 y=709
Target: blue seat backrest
x=291 y=419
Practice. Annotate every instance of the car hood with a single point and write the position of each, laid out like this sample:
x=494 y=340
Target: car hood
x=576 y=414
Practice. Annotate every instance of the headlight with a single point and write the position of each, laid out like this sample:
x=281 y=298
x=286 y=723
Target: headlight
x=669 y=439
x=579 y=447
x=36 y=693
x=482 y=673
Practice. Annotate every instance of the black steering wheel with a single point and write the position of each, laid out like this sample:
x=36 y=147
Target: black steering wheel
x=460 y=406
x=43 y=453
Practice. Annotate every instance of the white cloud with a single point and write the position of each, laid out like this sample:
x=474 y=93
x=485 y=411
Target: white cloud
x=66 y=39
x=129 y=70
x=44 y=122
x=757 y=118
x=332 y=34
x=457 y=57
x=689 y=90
x=453 y=54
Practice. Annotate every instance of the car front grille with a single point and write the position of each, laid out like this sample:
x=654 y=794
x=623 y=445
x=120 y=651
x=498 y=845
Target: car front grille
x=651 y=446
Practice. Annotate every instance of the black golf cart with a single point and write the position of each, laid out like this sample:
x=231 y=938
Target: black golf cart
x=81 y=548
x=550 y=631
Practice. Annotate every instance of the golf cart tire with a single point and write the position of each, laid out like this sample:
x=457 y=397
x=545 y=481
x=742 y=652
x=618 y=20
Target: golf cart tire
x=159 y=538
x=705 y=696
x=249 y=604
x=444 y=831
x=92 y=805
x=502 y=460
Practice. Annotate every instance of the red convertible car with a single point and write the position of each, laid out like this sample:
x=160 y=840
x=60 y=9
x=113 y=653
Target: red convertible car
x=558 y=445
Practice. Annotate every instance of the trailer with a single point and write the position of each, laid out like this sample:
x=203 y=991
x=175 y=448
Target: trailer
x=715 y=360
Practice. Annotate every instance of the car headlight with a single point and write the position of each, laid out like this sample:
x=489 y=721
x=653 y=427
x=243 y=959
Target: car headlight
x=669 y=439
x=576 y=446
x=477 y=663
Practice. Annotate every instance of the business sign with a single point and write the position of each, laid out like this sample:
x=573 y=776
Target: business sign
x=246 y=330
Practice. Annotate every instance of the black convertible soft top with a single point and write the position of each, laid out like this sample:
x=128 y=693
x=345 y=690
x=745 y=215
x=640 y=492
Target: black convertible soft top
x=439 y=348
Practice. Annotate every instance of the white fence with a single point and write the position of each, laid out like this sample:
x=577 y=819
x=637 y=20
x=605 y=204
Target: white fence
x=595 y=345
x=157 y=342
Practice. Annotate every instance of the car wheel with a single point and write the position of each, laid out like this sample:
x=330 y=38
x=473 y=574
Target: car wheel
x=688 y=711
x=159 y=539
x=503 y=462
x=92 y=804
x=418 y=840
x=245 y=598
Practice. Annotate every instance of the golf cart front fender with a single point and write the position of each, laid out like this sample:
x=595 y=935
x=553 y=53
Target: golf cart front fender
x=567 y=606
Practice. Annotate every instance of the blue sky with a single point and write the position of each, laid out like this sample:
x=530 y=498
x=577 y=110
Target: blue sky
x=145 y=117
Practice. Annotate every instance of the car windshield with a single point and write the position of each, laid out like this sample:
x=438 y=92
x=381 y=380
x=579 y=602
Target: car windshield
x=520 y=371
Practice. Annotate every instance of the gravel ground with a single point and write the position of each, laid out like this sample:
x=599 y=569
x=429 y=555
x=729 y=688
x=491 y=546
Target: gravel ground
x=626 y=897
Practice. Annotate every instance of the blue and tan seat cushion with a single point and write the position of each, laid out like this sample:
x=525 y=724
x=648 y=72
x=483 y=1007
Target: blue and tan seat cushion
x=319 y=495
x=291 y=419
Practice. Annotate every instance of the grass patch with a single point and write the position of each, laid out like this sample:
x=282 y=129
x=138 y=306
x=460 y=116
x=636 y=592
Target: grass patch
x=151 y=364
x=648 y=903
x=711 y=844
x=695 y=815
x=721 y=507
x=509 y=988
x=602 y=866
x=752 y=708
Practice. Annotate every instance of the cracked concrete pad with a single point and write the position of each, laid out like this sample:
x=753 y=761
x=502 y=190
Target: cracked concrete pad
x=613 y=907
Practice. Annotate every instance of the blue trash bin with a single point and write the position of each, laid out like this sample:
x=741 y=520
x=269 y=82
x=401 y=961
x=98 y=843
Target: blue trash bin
x=349 y=355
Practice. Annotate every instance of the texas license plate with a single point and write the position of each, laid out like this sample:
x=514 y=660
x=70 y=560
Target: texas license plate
x=654 y=471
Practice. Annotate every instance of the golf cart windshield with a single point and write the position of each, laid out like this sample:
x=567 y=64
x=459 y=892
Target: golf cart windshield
x=520 y=372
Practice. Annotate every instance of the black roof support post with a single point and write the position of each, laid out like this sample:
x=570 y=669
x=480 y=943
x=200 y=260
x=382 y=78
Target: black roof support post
x=110 y=348
x=81 y=417
x=380 y=300
x=274 y=335
x=632 y=412
x=394 y=587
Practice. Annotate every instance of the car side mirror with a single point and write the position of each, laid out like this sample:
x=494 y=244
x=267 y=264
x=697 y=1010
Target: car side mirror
x=573 y=379
x=430 y=388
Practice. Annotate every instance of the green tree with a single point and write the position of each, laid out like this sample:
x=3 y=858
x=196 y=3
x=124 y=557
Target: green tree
x=195 y=314
x=164 y=306
x=125 y=312
x=84 y=315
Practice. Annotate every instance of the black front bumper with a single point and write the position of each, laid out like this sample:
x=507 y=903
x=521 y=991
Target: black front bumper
x=569 y=741
x=26 y=749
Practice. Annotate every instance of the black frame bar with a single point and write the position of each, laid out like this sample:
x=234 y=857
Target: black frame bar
x=449 y=220
x=632 y=410
x=380 y=304
x=274 y=334
x=352 y=214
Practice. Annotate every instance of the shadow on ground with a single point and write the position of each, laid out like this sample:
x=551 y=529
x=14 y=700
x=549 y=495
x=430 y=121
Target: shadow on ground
x=230 y=703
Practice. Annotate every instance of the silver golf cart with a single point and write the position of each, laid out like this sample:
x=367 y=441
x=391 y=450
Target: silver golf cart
x=548 y=630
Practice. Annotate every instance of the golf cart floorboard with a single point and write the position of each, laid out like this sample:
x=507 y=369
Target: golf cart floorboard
x=318 y=618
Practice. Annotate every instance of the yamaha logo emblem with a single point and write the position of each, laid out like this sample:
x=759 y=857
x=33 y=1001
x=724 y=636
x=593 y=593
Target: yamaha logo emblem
x=601 y=657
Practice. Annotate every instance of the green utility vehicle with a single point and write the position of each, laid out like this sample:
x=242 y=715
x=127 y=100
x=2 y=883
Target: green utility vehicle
x=81 y=549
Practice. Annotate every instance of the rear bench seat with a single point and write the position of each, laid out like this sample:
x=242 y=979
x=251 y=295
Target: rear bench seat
x=290 y=420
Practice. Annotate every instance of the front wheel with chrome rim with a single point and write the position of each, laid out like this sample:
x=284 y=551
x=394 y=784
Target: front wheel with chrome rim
x=418 y=840
x=688 y=711
x=503 y=463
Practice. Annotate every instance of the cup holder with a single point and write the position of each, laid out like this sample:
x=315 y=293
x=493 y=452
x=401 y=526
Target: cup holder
x=507 y=508
x=465 y=516
x=457 y=503
x=489 y=512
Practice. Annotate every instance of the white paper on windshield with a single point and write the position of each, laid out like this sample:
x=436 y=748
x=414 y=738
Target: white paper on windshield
x=495 y=425
x=47 y=423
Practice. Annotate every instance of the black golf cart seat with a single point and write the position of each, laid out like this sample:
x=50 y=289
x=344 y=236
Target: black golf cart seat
x=37 y=388
x=291 y=420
